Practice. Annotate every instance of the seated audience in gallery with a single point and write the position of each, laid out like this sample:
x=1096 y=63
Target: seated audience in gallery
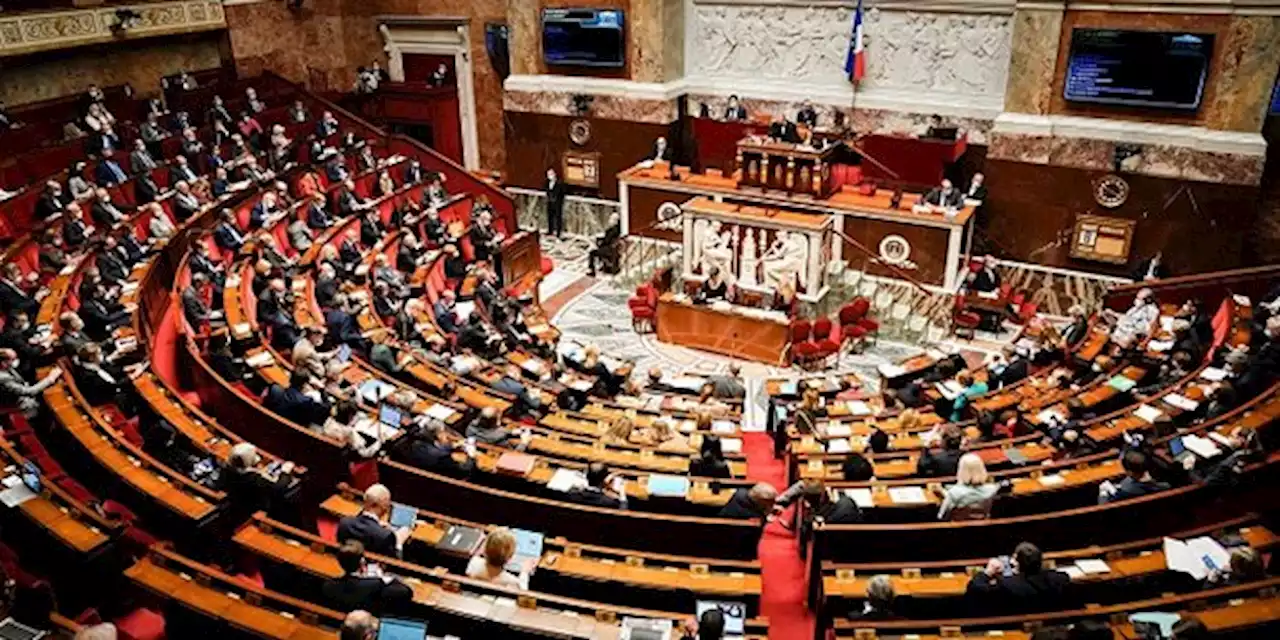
x=1025 y=586
x=734 y=111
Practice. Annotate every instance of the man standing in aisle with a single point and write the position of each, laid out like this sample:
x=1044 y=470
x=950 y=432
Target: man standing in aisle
x=555 y=204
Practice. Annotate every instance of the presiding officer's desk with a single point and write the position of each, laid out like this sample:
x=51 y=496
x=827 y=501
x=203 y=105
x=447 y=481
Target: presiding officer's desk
x=754 y=334
x=928 y=244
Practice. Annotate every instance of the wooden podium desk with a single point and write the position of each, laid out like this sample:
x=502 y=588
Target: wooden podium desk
x=928 y=245
x=727 y=331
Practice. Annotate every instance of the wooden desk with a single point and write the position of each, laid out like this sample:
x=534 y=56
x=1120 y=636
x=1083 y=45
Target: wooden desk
x=725 y=332
x=793 y=168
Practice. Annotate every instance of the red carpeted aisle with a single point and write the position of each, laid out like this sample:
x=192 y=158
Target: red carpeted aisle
x=782 y=570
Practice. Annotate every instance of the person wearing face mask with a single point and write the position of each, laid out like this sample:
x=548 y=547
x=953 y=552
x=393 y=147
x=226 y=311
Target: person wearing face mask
x=944 y=195
x=1137 y=320
x=15 y=391
x=734 y=112
x=101 y=382
x=555 y=204
x=20 y=337
x=1024 y=586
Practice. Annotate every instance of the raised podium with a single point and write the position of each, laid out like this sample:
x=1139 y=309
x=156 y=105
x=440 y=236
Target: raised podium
x=797 y=169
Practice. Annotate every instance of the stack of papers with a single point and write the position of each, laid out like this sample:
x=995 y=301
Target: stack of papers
x=907 y=495
x=839 y=445
x=837 y=430
x=861 y=497
x=949 y=389
x=731 y=445
x=686 y=383
x=1148 y=413
x=259 y=360
x=1196 y=557
x=858 y=408
x=440 y=412
x=1050 y=416
x=1181 y=402
x=891 y=370
x=1214 y=374
x=1052 y=480
x=723 y=427
x=566 y=480
x=373 y=391
x=532 y=366
x=1201 y=446
x=1159 y=345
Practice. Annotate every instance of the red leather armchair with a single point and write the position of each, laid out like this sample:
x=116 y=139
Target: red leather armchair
x=644 y=309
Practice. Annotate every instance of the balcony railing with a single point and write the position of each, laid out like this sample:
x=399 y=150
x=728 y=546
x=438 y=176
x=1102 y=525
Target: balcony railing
x=24 y=32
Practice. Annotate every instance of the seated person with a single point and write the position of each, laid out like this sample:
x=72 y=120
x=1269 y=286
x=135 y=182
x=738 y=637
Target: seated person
x=1137 y=320
x=487 y=428
x=490 y=564
x=944 y=195
x=973 y=491
x=433 y=450
x=728 y=387
x=939 y=463
x=371 y=527
x=99 y=382
x=879 y=602
x=973 y=388
x=856 y=467
x=714 y=287
x=710 y=462
x=1137 y=480
x=985 y=278
x=734 y=112
x=251 y=486
x=363 y=586
x=15 y=391
x=511 y=383
x=606 y=252
x=603 y=489
x=355 y=429
x=1031 y=588
x=292 y=402
x=756 y=502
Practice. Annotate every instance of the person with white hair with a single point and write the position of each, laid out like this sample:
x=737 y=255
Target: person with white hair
x=14 y=389
x=252 y=485
x=1137 y=321
x=973 y=491
x=359 y=625
x=879 y=602
x=100 y=631
x=372 y=526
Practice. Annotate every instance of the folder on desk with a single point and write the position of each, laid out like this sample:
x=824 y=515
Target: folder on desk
x=373 y=391
x=1213 y=374
x=731 y=445
x=723 y=427
x=891 y=370
x=402 y=515
x=861 y=496
x=788 y=388
x=528 y=545
x=440 y=412
x=1121 y=384
x=837 y=430
x=1091 y=567
x=460 y=540
x=566 y=480
x=1181 y=402
x=668 y=486
x=515 y=463
x=839 y=445
x=1148 y=413
x=858 y=408
x=259 y=360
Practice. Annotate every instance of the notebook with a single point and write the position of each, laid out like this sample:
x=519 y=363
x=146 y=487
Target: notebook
x=528 y=545
x=397 y=629
x=668 y=486
x=515 y=463
x=373 y=391
x=891 y=370
x=440 y=412
x=1121 y=384
x=839 y=445
x=460 y=540
x=788 y=388
x=402 y=515
x=566 y=480
x=907 y=495
x=1213 y=374
x=861 y=496
x=1148 y=413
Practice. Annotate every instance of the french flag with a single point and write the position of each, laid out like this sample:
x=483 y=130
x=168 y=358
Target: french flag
x=855 y=63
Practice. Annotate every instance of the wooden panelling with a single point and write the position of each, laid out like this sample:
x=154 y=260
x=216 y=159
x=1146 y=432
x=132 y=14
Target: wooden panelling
x=1031 y=209
x=535 y=142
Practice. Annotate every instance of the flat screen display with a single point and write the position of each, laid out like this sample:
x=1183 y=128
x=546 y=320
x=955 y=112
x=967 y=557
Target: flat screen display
x=1275 y=98
x=1158 y=69
x=583 y=37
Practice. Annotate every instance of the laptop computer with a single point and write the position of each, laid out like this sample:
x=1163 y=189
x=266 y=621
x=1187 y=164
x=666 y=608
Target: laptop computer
x=13 y=630
x=400 y=629
x=390 y=415
x=402 y=515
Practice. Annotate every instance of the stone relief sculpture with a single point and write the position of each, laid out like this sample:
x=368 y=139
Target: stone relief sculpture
x=786 y=259
x=917 y=51
x=749 y=260
x=717 y=250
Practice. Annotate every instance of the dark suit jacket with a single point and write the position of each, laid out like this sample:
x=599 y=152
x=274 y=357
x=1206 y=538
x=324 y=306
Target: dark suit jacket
x=101 y=215
x=194 y=307
x=738 y=113
x=48 y=205
x=145 y=190
x=439 y=459
x=807 y=117
x=375 y=595
x=375 y=537
x=176 y=174
x=1140 y=273
x=740 y=506
x=73 y=232
x=446 y=319
x=317 y=217
x=111 y=266
x=226 y=237
x=341 y=326
x=986 y=280
x=294 y=405
x=784 y=130
x=482 y=241
x=106 y=176
x=709 y=468
x=937 y=463
x=413 y=175
x=935 y=197
x=555 y=195
x=1015 y=371
x=593 y=497
x=1017 y=594
x=978 y=194
x=14 y=299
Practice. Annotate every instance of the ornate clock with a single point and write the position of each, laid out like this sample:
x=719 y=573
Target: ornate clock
x=1110 y=191
x=580 y=132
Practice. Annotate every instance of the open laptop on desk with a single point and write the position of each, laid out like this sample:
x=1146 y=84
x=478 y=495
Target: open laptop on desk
x=400 y=629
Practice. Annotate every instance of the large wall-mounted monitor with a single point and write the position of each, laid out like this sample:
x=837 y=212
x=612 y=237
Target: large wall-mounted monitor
x=584 y=37
x=1156 y=69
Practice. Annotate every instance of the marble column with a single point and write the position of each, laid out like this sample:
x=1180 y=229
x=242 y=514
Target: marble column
x=525 y=36
x=1245 y=78
x=1037 y=30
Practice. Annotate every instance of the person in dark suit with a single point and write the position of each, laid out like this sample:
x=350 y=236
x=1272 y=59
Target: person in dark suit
x=227 y=235
x=327 y=125
x=12 y=294
x=181 y=171
x=1151 y=269
x=74 y=231
x=108 y=172
x=140 y=161
x=977 y=189
x=361 y=589
x=807 y=115
x=710 y=462
x=784 y=130
x=944 y=195
x=1137 y=480
x=433 y=451
x=1017 y=369
x=317 y=216
x=602 y=489
x=526 y=402
x=1079 y=327
x=879 y=602
x=99 y=382
x=455 y=267
x=661 y=152
x=292 y=403
x=371 y=527
x=109 y=261
x=101 y=314
x=193 y=302
x=485 y=239
x=104 y=212
x=443 y=311
x=986 y=279
x=20 y=337
x=555 y=204
x=734 y=111
x=413 y=174
x=939 y=463
x=606 y=250
x=251 y=487
x=340 y=321
x=1028 y=589
x=51 y=200
x=756 y=502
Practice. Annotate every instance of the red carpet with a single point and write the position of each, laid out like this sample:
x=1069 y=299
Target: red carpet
x=781 y=570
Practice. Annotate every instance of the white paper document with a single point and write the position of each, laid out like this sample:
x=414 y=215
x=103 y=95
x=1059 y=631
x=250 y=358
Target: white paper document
x=1196 y=556
x=1093 y=566
x=891 y=370
x=566 y=480
x=907 y=495
x=1148 y=413
x=861 y=496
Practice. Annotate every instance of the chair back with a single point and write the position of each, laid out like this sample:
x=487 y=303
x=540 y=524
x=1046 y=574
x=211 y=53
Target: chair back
x=848 y=314
x=799 y=330
x=980 y=511
x=821 y=329
x=861 y=306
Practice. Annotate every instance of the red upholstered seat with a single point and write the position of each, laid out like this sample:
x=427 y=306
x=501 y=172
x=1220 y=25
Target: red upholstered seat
x=547 y=265
x=141 y=624
x=964 y=322
x=644 y=308
x=801 y=348
x=364 y=474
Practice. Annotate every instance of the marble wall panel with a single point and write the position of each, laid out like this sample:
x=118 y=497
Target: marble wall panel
x=1032 y=62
